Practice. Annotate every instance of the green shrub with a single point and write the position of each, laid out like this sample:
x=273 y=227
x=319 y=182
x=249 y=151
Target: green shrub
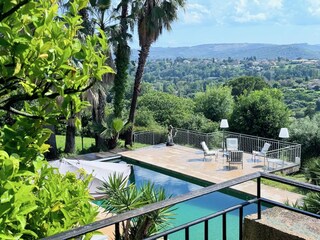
x=36 y=201
x=312 y=171
x=306 y=131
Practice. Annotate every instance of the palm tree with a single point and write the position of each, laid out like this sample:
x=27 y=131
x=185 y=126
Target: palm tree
x=122 y=57
x=153 y=16
x=96 y=95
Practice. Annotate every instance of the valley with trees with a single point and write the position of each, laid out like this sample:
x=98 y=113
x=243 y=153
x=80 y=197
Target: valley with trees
x=66 y=69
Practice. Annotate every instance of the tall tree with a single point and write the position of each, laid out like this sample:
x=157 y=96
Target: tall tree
x=154 y=15
x=122 y=55
x=215 y=103
x=97 y=94
x=261 y=113
x=246 y=84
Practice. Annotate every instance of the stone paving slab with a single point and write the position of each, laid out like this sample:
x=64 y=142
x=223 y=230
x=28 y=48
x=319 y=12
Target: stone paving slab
x=189 y=161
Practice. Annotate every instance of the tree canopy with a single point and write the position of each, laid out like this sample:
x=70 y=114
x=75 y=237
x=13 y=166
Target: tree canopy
x=246 y=84
x=166 y=108
x=43 y=58
x=215 y=103
x=261 y=113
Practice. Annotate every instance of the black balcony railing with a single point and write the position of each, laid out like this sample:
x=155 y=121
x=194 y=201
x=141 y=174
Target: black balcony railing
x=258 y=199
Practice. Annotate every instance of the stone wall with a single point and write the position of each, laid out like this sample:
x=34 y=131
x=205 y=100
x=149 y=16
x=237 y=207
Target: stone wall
x=281 y=224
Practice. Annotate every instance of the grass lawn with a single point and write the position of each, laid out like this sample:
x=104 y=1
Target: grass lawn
x=87 y=142
x=297 y=177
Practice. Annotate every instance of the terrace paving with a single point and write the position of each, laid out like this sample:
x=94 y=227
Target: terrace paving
x=189 y=161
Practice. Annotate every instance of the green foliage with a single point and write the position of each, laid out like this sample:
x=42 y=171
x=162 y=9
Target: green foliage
x=36 y=201
x=187 y=76
x=261 y=113
x=198 y=122
x=246 y=84
x=145 y=118
x=307 y=132
x=122 y=197
x=311 y=203
x=215 y=103
x=42 y=58
x=26 y=139
x=113 y=126
x=312 y=171
x=167 y=109
x=42 y=62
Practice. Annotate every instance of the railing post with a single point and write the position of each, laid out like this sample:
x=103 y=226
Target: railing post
x=224 y=226
x=278 y=150
x=187 y=233
x=240 y=222
x=259 y=196
x=187 y=137
x=117 y=231
x=207 y=138
x=206 y=230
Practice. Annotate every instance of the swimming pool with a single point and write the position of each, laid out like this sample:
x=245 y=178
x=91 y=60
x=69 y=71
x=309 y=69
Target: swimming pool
x=195 y=208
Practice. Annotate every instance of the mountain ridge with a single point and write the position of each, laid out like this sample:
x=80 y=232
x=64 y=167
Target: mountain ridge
x=236 y=51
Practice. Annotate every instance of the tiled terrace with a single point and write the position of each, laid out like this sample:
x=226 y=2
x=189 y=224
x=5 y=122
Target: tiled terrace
x=189 y=161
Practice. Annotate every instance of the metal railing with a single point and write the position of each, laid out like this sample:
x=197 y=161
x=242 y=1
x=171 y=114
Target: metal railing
x=151 y=138
x=258 y=199
x=282 y=150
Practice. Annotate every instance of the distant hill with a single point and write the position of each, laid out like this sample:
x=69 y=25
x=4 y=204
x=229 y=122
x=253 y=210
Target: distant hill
x=236 y=51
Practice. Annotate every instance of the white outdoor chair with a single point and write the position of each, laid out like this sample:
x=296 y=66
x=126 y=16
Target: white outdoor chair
x=206 y=151
x=232 y=144
x=262 y=152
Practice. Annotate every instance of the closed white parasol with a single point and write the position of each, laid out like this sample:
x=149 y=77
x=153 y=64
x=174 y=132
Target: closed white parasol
x=99 y=170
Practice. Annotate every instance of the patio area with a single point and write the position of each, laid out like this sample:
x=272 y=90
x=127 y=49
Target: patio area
x=189 y=161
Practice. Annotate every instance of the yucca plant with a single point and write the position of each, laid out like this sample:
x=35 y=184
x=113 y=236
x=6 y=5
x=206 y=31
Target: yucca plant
x=122 y=197
x=312 y=171
x=311 y=203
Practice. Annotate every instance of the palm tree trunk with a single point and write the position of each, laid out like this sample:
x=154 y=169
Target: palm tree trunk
x=121 y=62
x=143 y=54
x=99 y=117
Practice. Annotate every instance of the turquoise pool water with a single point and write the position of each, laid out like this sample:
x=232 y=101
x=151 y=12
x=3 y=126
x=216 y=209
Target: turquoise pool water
x=195 y=208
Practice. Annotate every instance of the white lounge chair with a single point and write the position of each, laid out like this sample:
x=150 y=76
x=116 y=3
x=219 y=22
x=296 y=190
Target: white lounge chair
x=206 y=151
x=262 y=152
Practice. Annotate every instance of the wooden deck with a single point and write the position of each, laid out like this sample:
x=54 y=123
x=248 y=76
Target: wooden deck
x=190 y=161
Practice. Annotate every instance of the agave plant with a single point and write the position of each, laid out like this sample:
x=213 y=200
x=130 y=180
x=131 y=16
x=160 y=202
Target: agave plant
x=122 y=196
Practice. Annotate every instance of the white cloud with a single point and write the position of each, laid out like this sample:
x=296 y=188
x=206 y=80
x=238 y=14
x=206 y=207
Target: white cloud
x=195 y=13
x=247 y=17
x=314 y=7
x=256 y=10
x=241 y=6
x=275 y=4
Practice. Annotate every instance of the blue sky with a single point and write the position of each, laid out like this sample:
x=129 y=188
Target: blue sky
x=244 y=21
